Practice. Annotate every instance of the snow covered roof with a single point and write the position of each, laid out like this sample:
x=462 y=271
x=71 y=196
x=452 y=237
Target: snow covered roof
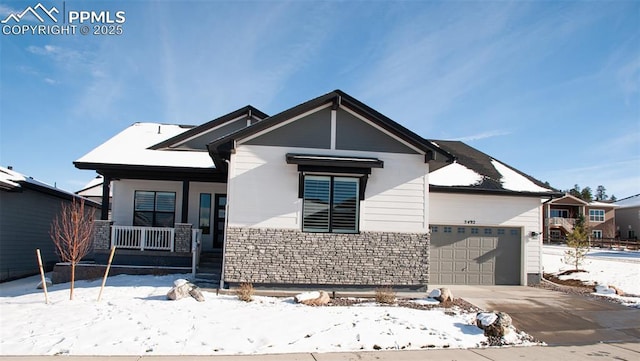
x=94 y=188
x=131 y=147
x=474 y=170
x=633 y=201
x=12 y=180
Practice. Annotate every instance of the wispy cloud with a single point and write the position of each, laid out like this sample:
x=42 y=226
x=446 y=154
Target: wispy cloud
x=483 y=135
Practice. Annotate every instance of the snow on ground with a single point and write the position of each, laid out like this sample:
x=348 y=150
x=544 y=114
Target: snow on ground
x=619 y=268
x=135 y=318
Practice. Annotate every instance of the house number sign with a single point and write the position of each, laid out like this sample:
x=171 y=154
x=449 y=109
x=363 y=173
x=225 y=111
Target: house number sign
x=469 y=221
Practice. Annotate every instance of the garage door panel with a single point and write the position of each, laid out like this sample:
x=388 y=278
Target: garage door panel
x=490 y=256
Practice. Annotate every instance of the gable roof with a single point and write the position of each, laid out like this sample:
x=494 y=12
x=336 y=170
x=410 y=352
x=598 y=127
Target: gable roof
x=248 y=110
x=475 y=171
x=220 y=148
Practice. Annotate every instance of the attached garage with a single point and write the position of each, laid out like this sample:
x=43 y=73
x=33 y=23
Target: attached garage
x=475 y=255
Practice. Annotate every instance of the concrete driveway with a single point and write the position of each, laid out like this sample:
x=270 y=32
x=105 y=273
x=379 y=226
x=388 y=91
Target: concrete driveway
x=557 y=318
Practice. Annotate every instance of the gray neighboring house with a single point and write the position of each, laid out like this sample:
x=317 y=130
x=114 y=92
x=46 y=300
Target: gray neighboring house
x=628 y=217
x=27 y=208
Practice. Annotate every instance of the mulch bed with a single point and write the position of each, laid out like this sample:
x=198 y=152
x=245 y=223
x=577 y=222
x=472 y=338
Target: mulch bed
x=450 y=306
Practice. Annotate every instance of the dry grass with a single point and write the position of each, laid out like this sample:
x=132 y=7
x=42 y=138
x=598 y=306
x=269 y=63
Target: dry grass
x=385 y=295
x=245 y=292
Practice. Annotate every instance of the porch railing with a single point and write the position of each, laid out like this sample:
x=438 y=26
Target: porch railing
x=143 y=238
x=566 y=223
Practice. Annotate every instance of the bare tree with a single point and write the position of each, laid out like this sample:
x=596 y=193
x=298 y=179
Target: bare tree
x=71 y=232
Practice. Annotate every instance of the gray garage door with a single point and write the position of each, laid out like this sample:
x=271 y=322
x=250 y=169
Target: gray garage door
x=473 y=255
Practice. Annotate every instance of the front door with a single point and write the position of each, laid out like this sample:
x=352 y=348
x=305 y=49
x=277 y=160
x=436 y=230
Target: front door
x=219 y=216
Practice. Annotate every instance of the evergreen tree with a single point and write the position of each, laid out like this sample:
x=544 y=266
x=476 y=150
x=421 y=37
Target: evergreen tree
x=586 y=194
x=578 y=243
x=575 y=191
x=601 y=193
x=613 y=198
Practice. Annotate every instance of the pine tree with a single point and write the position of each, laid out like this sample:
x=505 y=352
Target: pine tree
x=575 y=191
x=586 y=194
x=578 y=243
x=601 y=193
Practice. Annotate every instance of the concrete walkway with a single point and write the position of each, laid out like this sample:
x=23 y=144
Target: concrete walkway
x=621 y=351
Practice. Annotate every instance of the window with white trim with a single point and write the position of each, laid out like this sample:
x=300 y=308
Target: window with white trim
x=154 y=209
x=597 y=234
x=330 y=204
x=596 y=215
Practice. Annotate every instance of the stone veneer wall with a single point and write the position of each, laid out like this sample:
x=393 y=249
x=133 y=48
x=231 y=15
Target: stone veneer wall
x=101 y=235
x=182 y=237
x=282 y=256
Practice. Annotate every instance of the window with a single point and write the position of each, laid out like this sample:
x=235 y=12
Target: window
x=461 y=229
x=596 y=215
x=205 y=213
x=559 y=213
x=597 y=234
x=447 y=229
x=500 y=231
x=434 y=229
x=488 y=231
x=474 y=230
x=154 y=209
x=330 y=204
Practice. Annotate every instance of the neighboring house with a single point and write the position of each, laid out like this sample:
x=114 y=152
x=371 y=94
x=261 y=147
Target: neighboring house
x=27 y=209
x=561 y=215
x=628 y=217
x=93 y=191
x=329 y=192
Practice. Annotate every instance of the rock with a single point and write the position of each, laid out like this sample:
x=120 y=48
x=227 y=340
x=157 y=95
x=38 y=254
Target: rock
x=183 y=288
x=47 y=282
x=315 y=298
x=445 y=295
x=494 y=324
x=195 y=293
x=435 y=293
x=619 y=292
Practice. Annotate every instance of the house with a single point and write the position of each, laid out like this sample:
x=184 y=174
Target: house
x=561 y=214
x=93 y=191
x=628 y=217
x=329 y=192
x=27 y=209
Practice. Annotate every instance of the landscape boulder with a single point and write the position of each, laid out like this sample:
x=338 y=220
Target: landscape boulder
x=314 y=298
x=441 y=294
x=183 y=288
x=494 y=324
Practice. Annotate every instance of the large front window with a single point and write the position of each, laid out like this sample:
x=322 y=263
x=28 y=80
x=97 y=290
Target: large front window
x=154 y=209
x=596 y=215
x=330 y=204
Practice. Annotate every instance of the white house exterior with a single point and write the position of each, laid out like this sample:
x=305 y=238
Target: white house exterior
x=329 y=192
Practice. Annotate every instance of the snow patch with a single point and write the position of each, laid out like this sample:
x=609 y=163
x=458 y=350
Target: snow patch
x=454 y=174
x=515 y=181
x=487 y=318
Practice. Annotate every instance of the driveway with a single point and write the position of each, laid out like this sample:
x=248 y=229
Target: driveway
x=555 y=317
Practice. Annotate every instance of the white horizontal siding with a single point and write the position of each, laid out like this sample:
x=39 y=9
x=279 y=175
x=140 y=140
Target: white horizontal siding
x=123 y=195
x=490 y=210
x=263 y=190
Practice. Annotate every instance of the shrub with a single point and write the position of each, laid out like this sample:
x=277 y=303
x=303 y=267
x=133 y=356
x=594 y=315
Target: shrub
x=245 y=292
x=385 y=295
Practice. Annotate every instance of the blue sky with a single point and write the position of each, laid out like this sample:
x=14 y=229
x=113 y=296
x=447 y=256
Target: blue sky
x=550 y=88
